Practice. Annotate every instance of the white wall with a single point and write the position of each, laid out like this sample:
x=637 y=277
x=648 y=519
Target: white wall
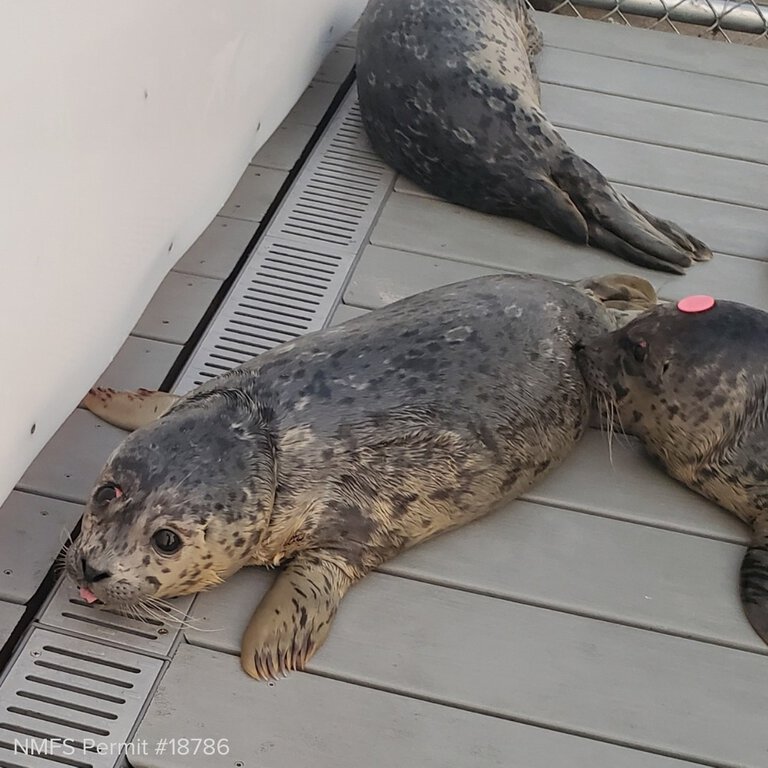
x=124 y=128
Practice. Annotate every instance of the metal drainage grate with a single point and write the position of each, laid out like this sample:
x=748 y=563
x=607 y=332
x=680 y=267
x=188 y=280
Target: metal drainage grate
x=155 y=635
x=296 y=273
x=64 y=696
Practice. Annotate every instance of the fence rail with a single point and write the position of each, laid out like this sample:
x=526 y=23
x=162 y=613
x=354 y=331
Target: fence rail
x=740 y=21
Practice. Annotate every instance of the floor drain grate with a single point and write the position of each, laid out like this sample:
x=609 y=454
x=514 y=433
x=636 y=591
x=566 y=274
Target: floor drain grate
x=295 y=275
x=65 y=697
x=154 y=635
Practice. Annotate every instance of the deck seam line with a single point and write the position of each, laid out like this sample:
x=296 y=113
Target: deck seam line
x=563 y=47
x=648 y=100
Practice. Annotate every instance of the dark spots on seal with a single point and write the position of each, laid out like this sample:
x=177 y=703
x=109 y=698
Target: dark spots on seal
x=239 y=542
x=152 y=580
x=401 y=503
x=146 y=560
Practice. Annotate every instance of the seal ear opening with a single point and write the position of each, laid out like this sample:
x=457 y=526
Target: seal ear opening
x=754 y=588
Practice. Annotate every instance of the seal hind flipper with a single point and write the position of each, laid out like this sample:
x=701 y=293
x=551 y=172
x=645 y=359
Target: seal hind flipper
x=754 y=585
x=294 y=618
x=617 y=225
x=700 y=251
x=128 y=410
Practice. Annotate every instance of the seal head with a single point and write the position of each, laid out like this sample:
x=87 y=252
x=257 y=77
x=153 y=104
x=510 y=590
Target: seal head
x=690 y=385
x=179 y=506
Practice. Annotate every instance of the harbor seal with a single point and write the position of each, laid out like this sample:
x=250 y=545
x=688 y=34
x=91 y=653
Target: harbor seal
x=449 y=98
x=693 y=387
x=332 y=453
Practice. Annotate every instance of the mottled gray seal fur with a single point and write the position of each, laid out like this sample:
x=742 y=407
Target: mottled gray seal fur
x=694 y=389
x=449 y=98
x=336 y=451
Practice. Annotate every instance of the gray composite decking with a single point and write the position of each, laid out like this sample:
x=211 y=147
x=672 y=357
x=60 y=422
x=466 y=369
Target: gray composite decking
x=593 y=623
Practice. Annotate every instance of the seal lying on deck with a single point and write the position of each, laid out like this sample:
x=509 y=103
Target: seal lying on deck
x=337 y=451
x=693 y=386
x=449 y=98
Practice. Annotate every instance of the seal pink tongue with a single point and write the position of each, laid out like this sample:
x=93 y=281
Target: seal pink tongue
x=87 y=595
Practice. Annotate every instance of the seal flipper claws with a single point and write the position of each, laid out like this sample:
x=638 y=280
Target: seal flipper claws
x=294 y=618
x=754 y=587
x=128 y=410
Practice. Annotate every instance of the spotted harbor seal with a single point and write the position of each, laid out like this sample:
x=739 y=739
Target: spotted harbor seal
x=336 y=451
x=693 y=386
x=449 y=98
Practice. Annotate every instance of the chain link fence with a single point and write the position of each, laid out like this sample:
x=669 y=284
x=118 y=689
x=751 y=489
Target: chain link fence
x=735 y=21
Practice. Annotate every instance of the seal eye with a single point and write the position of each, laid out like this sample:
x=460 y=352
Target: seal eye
x=166 y=541
x=107 y=493
x=640 y=350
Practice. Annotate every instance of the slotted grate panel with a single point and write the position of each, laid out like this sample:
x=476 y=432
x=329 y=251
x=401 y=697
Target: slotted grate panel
x=64 y=696
x=153 y=634
x=296 y=273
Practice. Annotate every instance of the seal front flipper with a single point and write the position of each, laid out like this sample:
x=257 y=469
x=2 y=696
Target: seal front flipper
x=128 y=410
x=294 y=618
x=754 y=584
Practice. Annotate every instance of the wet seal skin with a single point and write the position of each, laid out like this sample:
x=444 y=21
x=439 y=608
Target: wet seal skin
x=450 y=98
x=691 y=381
x=332 y=453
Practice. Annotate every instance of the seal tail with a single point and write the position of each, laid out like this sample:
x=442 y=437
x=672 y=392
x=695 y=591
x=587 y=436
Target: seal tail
x=621 y=227
x=754 y=585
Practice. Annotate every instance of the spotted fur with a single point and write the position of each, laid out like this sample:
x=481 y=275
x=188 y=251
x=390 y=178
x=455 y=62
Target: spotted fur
x=694 y=389
x=334 y=452
x=450 y=98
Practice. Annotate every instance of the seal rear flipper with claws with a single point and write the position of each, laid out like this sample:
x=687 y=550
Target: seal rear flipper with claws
x=754 y=585
x=449 y=98
x=619 y=226
x=126 y=409
x=295 y=616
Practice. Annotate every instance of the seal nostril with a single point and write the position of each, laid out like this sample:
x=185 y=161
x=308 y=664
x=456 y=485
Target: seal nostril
x=91 y=575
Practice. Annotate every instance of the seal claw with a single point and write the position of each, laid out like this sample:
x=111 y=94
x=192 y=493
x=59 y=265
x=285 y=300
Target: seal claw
x=294 y=618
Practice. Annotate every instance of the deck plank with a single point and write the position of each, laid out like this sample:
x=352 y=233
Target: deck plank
x=176 y=308
x=217 y=250
x=673 y=170
x=140 y=363
x=639 y=80
x=253 y=194
x=689 y=54
x=337 y=65
x=348 y=725
x=313 y=104
x=70 y=462
x=726 y=228
x=658 y=124
x=284 y=147
x=409 y=227
x=32 y=532
x=10 y=615
x=618 y=683
x=345 y=312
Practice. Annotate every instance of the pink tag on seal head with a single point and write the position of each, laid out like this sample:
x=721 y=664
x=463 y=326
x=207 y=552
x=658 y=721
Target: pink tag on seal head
x=693 y=304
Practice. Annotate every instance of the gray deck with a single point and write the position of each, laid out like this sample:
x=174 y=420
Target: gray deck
x=594 y=623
